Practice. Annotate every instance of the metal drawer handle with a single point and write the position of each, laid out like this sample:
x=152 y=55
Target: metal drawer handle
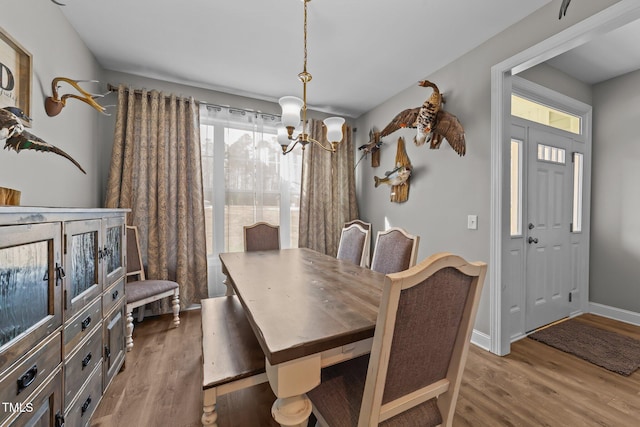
x=85 y=405
x=27 y=378
x=86 y=322
x=107 y=352
x=114 y=295
x=59 y=420
x=86 y=360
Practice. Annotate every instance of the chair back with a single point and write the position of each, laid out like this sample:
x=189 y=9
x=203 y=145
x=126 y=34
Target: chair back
x=134 y=257
x=354 y=244
x=365 y=225
x=395 y=250
x=261 y=236
x=422 y=339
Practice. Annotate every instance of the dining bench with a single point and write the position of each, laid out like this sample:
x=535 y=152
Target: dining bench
x=231 y=355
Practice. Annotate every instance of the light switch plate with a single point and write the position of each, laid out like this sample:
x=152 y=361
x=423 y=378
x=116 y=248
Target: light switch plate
x=472 y=222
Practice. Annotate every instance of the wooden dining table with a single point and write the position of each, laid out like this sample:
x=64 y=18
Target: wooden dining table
x=308 y=311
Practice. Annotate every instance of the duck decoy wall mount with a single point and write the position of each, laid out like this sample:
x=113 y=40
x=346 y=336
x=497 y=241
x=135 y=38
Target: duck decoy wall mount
x=432 y=123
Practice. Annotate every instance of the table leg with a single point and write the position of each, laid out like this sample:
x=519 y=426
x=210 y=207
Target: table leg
x=290 y=381
x=227 y=282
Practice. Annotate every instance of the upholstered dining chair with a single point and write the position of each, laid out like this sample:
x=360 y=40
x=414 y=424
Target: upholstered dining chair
x=140 y=291
x=419 y=350
x=395 y=250
x=354 y=244
x=261 y=236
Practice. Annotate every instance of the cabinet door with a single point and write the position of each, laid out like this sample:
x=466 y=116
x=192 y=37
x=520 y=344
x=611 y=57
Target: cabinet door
x=83 y=255
x=44 y=409
x=113 y=250
x=113 y=344
x=30 y=287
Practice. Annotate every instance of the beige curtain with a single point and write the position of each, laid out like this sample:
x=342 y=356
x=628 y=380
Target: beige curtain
x=328 y=194
x=156 y=171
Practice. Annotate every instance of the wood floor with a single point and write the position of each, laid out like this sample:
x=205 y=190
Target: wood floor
x=535 y=385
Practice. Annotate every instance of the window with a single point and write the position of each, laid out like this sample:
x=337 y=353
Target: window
x=539 y=113
x=246 y=178
x=550 y=154
x=576 y=223
x=516 y=188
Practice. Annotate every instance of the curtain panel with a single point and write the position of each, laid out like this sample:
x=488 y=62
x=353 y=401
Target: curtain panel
x=328 y=191
x=156 y=172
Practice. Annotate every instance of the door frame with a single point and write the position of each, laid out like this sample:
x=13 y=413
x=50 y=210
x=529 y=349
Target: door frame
x=502 y=74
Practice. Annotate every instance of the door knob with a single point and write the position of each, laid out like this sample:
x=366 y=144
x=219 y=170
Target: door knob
x=531 y=226
x=532 y=240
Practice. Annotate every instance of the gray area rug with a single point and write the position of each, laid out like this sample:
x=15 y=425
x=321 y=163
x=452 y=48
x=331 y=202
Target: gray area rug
x=610 y=350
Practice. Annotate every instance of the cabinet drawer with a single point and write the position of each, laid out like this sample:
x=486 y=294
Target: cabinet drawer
x=81 y=409
x=113 y=296
x=43 y=408
x=80 y=364
x=82 y=325
x=30 y=371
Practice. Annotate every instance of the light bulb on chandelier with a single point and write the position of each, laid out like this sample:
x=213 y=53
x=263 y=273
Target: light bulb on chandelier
x=292 y=107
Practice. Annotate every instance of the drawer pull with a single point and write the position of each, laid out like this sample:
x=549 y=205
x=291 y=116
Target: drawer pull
x=107 y=352
x=59 y=420
x=85 y=405
x=86 y=322
x=86 y=360
x=114 y=295
x=27 y=378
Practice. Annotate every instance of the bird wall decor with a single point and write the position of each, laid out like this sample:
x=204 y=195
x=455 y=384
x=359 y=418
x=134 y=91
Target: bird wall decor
x=17 y=138
x=54 y=104
x=431 y=122
x=563 y=8
x=373 y=147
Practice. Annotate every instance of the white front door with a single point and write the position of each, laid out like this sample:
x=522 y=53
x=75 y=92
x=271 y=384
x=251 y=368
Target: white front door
x=547 y=223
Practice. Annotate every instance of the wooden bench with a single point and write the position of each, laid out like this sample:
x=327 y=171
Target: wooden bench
x=231 y=356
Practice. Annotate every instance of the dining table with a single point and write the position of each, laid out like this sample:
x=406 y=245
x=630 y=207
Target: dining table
x=308 y=310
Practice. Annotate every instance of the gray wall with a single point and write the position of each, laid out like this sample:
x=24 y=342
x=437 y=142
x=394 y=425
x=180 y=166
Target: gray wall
x=554 y=79
x=615 y=229
x=46 y=179
x=446 y=188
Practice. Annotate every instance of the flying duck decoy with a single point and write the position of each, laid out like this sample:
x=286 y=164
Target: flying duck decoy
x=17 y=138
x=432 y=123
x=422 y=118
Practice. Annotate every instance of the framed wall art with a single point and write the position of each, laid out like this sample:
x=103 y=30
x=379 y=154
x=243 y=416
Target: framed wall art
x=15 y=74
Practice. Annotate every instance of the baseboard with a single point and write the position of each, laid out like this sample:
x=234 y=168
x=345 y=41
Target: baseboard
x=481 y=340
x=615 y=313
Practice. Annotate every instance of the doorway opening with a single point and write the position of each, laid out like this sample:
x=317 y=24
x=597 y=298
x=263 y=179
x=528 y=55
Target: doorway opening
x=502 y=76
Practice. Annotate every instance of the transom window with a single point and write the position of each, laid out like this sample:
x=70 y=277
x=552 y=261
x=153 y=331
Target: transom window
x=540 y=113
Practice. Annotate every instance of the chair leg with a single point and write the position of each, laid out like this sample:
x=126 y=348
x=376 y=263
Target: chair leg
x=141 y=313
x=175 y=303
x=129 y=337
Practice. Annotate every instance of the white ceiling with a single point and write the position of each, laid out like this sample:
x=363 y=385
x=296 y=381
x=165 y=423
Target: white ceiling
x=603 y=58
x=360 y=52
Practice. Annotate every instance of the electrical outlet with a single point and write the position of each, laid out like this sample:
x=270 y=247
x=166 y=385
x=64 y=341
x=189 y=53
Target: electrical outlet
x=472 y=222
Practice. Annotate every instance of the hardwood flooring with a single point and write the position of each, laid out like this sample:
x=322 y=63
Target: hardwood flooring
x=535 y=385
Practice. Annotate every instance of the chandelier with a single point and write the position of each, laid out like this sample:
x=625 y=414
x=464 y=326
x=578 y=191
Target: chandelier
x=291 y=108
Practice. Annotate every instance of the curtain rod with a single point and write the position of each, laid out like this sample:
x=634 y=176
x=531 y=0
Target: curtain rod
x=114 y=88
